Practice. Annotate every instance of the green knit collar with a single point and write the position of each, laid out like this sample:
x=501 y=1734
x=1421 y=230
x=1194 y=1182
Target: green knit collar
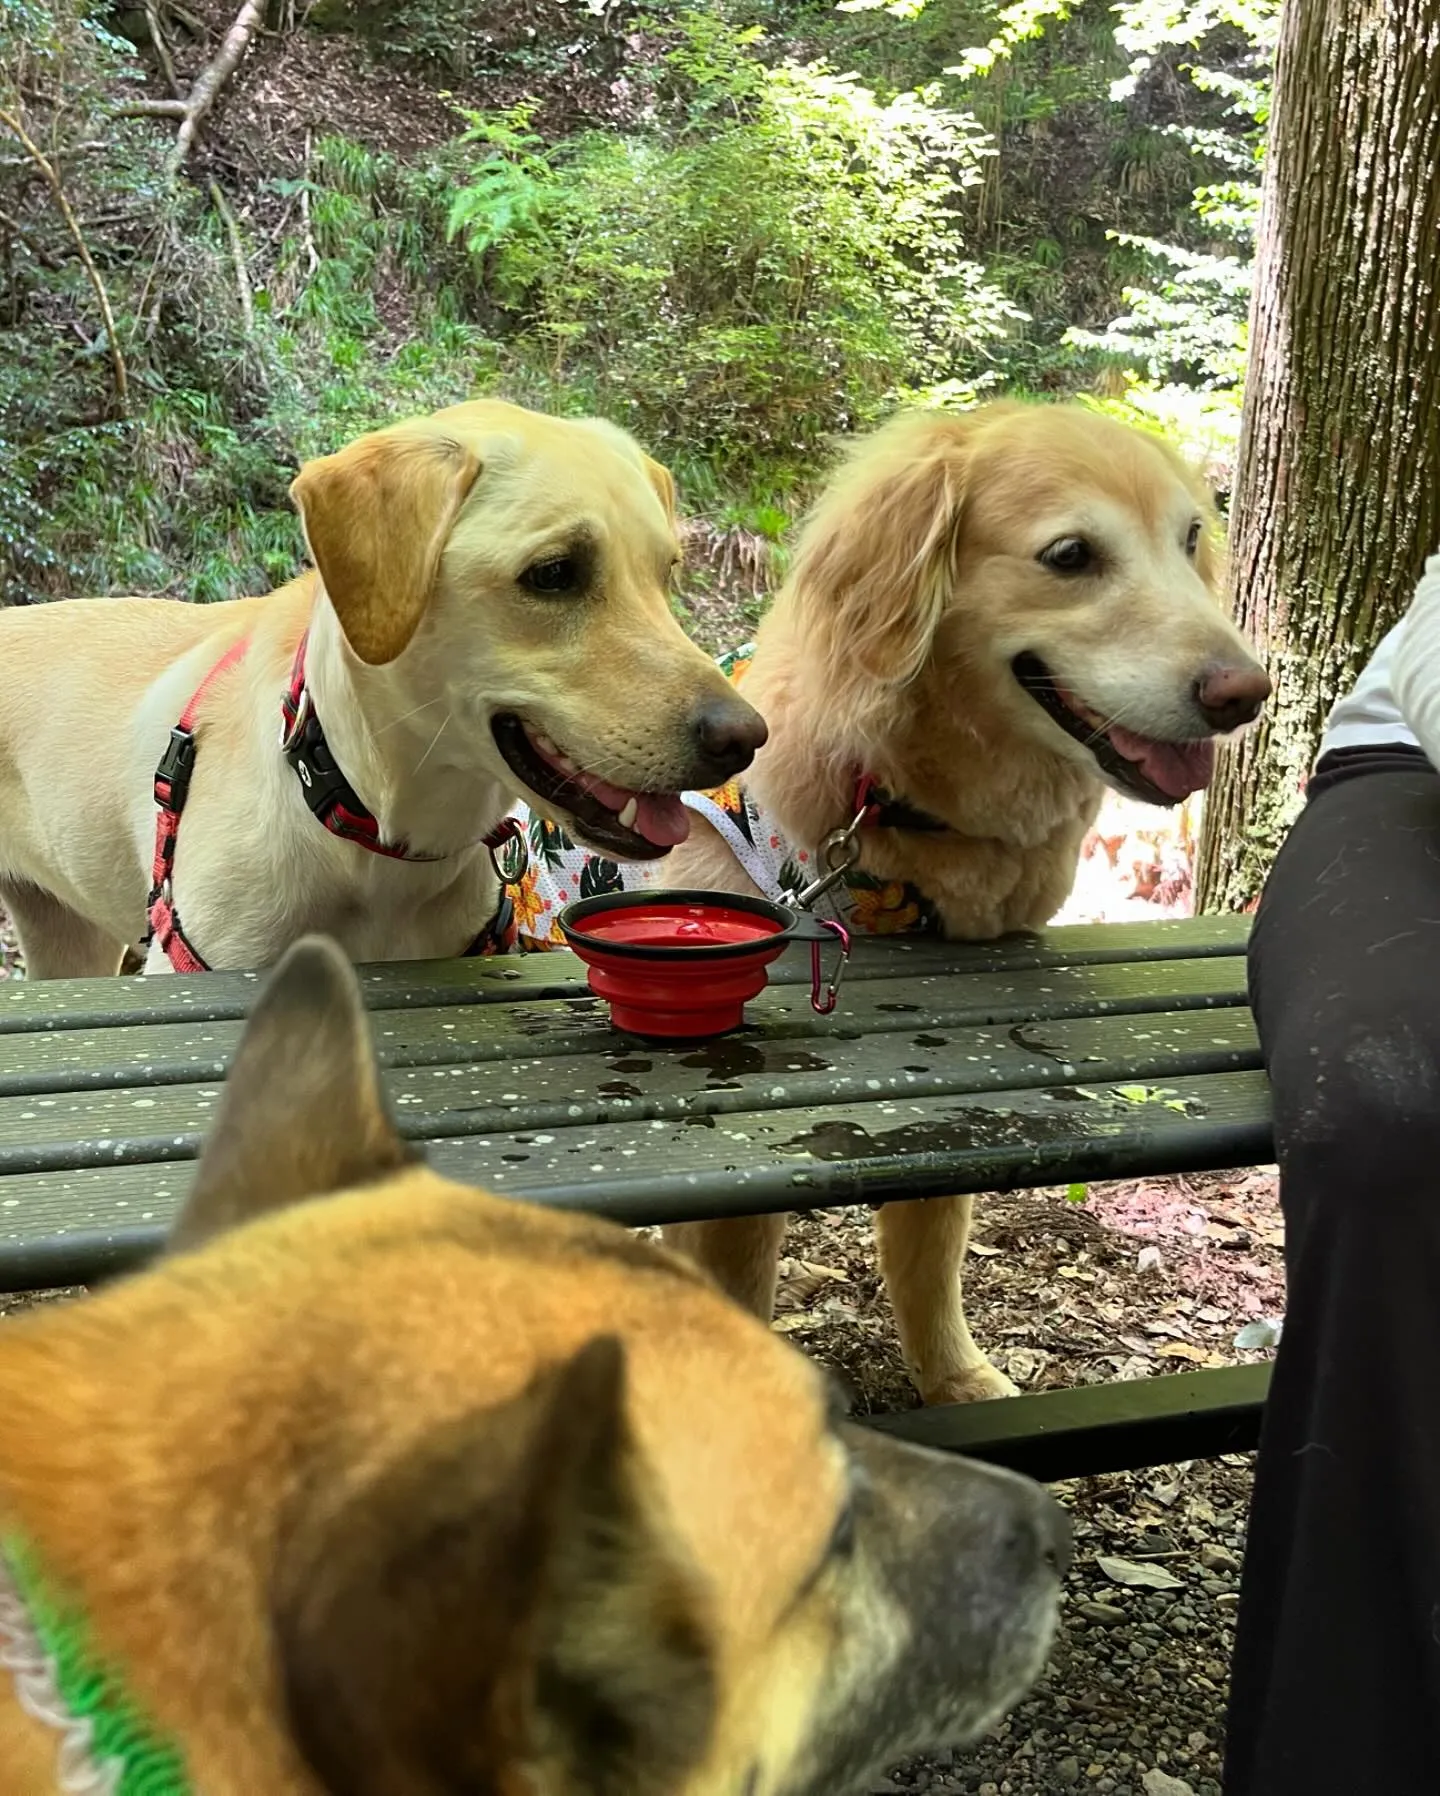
x=107 y=1746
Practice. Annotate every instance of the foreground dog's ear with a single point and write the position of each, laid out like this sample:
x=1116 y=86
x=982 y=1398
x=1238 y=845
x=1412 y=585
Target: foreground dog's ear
x=664 y=483
x=377 y=516
x=874 y=564
x=302 y=1112
x=505 y=1599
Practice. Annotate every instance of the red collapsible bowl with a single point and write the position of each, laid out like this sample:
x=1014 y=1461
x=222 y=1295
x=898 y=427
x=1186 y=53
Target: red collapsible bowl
x=679 y=964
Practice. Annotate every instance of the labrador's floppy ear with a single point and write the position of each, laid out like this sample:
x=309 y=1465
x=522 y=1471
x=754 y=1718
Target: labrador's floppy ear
x=302 y=1112
x=873 y=569
x=663 y=481
x=504 y=1603
x=377 y=516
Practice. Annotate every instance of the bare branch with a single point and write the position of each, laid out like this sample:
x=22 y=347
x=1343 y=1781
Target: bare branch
x=312 y=258
x=237 y=251
x=71 y=149
x=211 y=79
x=162 y=49
x=52 y=179
x=151 y=109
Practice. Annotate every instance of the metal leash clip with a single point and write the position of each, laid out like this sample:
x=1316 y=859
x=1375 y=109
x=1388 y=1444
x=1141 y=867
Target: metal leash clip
x=839 y=852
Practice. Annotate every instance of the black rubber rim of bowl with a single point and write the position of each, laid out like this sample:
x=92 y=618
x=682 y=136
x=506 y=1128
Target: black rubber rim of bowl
x=605 y=902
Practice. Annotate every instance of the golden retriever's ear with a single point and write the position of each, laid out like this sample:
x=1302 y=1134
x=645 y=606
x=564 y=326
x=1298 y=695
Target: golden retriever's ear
x=875 y=562
x=664 y=483
x=1210 y=554
x=377 y=516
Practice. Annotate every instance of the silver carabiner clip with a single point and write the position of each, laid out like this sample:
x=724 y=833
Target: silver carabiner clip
x=839 y=852
x=825 y=995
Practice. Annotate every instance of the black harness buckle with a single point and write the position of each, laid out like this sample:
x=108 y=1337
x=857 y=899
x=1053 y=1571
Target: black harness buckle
x=173 y=775
x=321 y=780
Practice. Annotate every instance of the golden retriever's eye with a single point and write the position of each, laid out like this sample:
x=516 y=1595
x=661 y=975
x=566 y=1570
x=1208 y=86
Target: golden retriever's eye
x=1068 y=555
x=559 y=575
x=1192 y=541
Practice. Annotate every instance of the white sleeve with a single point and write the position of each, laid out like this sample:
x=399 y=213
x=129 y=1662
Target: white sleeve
x=1417 y=663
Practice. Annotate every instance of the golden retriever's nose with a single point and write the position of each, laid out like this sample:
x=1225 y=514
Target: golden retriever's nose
x=727 y=733
x=1230 y=696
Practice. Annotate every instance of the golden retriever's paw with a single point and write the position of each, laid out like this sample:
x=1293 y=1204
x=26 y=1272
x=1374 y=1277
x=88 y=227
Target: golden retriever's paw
x=974 y=1385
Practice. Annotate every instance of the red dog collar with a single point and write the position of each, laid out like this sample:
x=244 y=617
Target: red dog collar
x=328 y=793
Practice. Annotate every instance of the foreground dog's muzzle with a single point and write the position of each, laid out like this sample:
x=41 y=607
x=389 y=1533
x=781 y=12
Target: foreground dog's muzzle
x=958 y=1571
x=636 y=823
x=1152 y=769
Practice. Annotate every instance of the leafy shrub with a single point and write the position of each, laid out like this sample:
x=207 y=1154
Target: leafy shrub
x=771 y=267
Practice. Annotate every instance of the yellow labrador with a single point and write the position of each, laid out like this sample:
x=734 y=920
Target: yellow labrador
x=991 y=615
x=489 y=593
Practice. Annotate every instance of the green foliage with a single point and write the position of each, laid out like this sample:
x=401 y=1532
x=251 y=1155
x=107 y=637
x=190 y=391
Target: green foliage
x=1182 y=344
x=772 y=266
x=696 y=225
x=188 y=493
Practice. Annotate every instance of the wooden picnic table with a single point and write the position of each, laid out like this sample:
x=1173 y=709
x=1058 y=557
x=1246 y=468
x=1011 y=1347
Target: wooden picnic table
x=1094 y=1052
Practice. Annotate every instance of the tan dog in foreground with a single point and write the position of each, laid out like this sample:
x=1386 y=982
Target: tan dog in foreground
x=489 y=595
x=406 y=1490
x=991 y=615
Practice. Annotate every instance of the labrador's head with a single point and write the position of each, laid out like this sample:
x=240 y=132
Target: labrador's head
x=518 y=567
x=1061 y=563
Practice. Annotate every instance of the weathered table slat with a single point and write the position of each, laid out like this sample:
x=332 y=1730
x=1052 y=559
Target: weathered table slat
x=531 y=1091
x=90 y=1058
x=102 y=1003
x=707 y=1164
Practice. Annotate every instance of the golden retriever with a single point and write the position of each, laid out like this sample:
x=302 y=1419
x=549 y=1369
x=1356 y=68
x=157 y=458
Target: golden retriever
x=991 y=615
x=480 y=577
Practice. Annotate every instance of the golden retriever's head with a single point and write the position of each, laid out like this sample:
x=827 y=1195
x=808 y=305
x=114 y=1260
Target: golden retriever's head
x=518 y=566
x=1068 y=561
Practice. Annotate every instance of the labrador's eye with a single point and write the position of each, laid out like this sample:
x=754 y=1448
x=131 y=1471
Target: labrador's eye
x=1192 y=540
x=562 y=574
x=1068 y=555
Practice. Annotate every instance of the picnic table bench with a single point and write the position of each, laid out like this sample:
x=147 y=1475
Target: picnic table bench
x=1103 y=1051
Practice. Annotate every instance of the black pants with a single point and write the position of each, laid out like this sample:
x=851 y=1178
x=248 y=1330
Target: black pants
x=1336 y=1680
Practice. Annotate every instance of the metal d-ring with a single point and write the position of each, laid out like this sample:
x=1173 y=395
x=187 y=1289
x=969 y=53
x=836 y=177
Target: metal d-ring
x=510 y=856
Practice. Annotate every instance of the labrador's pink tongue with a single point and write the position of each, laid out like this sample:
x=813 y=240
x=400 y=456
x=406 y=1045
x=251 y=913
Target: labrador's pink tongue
x=1177 y=768
x=661 y=818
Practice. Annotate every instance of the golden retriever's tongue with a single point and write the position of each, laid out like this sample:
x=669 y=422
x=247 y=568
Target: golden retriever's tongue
x=661 y=818
x=1177 y=768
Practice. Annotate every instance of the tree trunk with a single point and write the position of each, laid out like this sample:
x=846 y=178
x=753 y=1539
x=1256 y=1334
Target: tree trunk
x=1337 y=498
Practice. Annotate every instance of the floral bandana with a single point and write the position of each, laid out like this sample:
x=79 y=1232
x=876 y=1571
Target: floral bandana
x=561 y=872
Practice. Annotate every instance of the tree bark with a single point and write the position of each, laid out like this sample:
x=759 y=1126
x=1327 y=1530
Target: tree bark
x=1337 y=498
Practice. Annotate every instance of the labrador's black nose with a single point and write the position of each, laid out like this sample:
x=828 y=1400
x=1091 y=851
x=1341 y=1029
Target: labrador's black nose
x=1230 y=696
x=727 y=733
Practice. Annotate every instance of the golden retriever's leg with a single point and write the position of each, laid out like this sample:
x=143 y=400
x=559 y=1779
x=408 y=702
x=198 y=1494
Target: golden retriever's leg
x=741 y=1254
x=56 y=941
x=922 y=1252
